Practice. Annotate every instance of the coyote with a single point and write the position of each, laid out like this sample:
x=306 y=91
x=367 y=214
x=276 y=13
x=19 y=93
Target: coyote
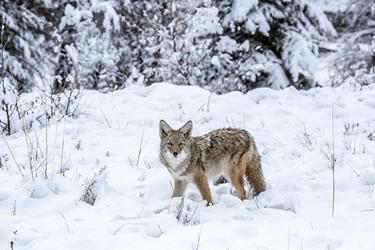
x=228 y=151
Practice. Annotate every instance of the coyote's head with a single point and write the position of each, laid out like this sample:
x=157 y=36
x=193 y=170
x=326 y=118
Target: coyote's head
x=175 y=144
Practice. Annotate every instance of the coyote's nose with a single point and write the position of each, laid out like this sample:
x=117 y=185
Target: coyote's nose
x=175 y=154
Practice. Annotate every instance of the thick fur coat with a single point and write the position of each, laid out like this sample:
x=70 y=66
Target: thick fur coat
x=229 y=152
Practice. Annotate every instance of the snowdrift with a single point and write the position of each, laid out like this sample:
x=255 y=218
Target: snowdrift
x=96 y=182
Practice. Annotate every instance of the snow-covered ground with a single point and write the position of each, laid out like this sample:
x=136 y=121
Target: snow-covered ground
x=111 y=151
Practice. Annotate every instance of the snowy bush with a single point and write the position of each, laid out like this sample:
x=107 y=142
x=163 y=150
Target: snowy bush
x=66 y=103
x=184 y=210
x=354 y=63
x=31 y=110
x=8 y=104
x=92 y=187
x=86 y=56
x=357 y=17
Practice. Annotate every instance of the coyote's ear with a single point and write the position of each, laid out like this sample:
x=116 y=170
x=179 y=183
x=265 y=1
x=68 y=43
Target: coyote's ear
x=187 y=129
x=164 y=129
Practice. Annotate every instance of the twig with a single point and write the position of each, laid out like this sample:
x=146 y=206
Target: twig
x=199 y=237
x=66 y=223
x=289 y=236
x=358 y=175
x=11 y=152
x=29 y=150
x=28 y=143
x=254 y=244
x=54 y=146
x=140 y=147
x=14 y=208
x=38 y=148
x=367 y=210
x=46 y=113
x=333 y=163
x=139 y=216
x=180 y=209
x=130 y=161
x=186 y=219
x=106 y=119
x=62 y=150
x=209 y=97
x=256 y=203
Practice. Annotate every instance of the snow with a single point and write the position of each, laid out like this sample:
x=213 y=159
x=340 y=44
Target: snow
x=330 y=5
x=71 y=17
x=111 y=19
x=315 y=12
x=257 y=21
x=204 y=22
x=227 y=44
x=298 y=48
x=241 y=8
x=114 y=142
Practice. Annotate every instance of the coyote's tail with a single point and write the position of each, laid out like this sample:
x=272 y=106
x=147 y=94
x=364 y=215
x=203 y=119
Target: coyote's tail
x=254 y=174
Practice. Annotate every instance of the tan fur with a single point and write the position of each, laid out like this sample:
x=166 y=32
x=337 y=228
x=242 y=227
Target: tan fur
x=229 y=152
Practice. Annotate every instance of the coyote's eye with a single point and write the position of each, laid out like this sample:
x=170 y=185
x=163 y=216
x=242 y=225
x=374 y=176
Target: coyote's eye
x=169 y=144
x=181 y=144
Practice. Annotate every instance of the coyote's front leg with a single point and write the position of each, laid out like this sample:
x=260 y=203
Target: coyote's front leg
x=179 y=188
x=201 y=182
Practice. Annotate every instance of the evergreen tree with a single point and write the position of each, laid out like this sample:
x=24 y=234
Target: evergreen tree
x=231 y=44
x=222 y=45
x=182 y=50
x=355 y=62
x=270 y=43
x=25 y=40
x=174 y=41
x=140 y=22
x=87 y=55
